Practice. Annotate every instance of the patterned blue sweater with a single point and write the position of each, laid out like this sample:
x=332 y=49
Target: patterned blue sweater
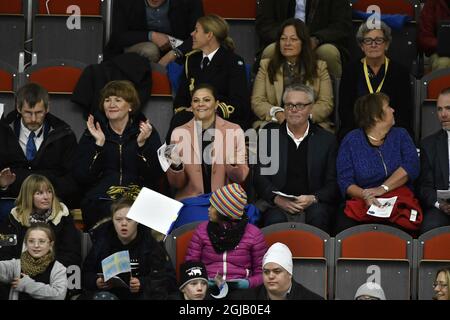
x=365 y=166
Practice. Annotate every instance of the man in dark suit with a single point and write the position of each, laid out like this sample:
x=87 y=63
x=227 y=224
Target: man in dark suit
x=303 y=166
x=329 y=23
x=434 y=165
x=33 y=141
x=143 y=26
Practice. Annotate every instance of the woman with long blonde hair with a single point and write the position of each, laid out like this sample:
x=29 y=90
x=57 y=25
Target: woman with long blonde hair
x=43 y=205
x=37 y=202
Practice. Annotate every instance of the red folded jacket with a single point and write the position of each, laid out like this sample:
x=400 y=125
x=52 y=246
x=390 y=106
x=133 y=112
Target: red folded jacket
x=356 y=209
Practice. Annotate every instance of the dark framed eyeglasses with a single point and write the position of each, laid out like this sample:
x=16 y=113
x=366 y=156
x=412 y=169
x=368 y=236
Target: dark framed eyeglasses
x=297 y=106
x=369 y=41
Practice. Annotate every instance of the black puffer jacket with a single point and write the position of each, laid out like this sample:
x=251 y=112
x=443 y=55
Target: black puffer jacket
x=53 y=159
x=120 y=162
x=150 y=264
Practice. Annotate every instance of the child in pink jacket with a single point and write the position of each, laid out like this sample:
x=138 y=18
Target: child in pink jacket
x=227 y=244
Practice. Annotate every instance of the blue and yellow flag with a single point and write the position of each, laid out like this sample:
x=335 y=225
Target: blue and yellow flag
x=116 y=263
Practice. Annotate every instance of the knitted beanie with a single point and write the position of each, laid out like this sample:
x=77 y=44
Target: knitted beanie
x=230 y=201
x=192 y=270
x=279 y=253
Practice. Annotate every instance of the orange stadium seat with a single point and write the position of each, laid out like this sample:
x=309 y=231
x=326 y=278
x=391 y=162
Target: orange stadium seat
x=310 y=249
x=56 y=79
x=433 y=253
x=177 y=243
x=373 y=251
x=160 y=84
x=11 y=7
x=6 y=81
x=231 y=9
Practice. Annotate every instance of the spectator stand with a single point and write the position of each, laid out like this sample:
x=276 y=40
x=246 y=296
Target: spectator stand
x=374 y=252
x=56 y=33
x=13 y=28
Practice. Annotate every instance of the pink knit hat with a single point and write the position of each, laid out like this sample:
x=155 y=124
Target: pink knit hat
x=230 y=201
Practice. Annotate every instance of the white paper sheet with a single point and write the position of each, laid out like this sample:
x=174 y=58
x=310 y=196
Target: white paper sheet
x=2 y=109
x=164 y=155
x=154 y=210
x=387 y=204
x=290 y=196
x=163 y=161
x=174 y=42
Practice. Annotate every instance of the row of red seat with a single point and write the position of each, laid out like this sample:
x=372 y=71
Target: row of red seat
x=230 y=9
x=351 y=251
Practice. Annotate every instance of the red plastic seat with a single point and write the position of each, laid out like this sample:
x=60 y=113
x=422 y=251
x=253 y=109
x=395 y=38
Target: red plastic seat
x=177 y=243
x=160 y=84
x=57 y=79
x=231 y=9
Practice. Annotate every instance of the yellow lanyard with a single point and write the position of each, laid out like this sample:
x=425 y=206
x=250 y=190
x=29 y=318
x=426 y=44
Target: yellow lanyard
x=366 y=74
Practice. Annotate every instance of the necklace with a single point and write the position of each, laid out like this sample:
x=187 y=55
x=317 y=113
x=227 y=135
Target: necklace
x=373 y=138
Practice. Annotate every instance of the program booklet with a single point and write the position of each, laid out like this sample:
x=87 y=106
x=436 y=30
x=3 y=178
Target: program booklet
x=387 y=204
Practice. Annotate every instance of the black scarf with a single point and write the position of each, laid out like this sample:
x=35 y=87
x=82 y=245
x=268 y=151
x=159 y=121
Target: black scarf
x=226 y=236
x=40 y=217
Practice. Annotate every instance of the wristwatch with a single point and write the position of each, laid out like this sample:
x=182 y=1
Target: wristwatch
x=385 y=187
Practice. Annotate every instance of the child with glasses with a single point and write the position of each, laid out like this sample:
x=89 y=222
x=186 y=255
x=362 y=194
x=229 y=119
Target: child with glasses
x=37 y=274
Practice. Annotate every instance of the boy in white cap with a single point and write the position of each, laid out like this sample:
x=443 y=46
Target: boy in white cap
x=277 y=276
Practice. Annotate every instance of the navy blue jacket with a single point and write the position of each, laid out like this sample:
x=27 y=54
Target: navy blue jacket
x=119 y=162
x=227 y=74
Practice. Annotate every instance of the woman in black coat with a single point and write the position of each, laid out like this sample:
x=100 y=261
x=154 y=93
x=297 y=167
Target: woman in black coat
x=380 y=75
x=223 y=69
x=117 y=149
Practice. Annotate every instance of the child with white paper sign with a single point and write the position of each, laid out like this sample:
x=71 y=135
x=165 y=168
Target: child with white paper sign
x=151 y=269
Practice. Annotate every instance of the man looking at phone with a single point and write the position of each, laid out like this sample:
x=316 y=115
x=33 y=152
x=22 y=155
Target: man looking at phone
x=434 y=163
